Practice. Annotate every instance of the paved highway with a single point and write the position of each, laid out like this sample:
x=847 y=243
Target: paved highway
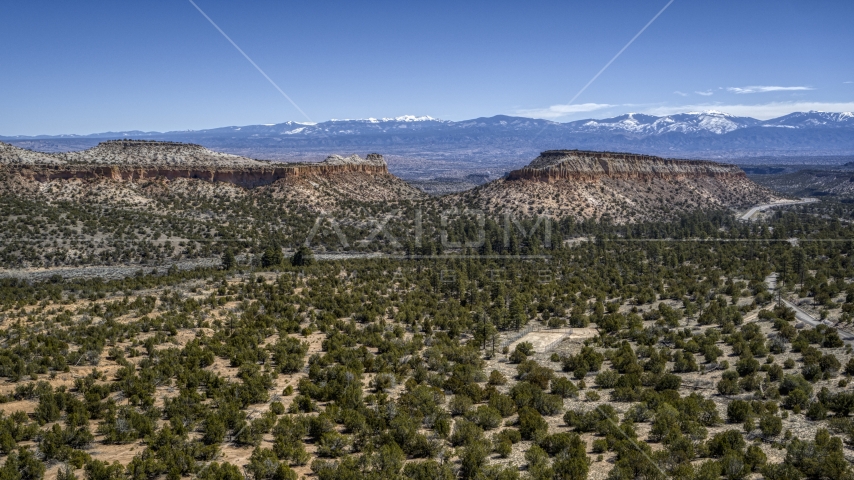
x=781 y=203
x=802 y=316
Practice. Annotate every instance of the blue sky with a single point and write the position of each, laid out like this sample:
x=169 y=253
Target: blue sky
x=83 y=67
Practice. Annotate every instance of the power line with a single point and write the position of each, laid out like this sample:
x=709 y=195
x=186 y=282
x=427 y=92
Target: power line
x=251 y=61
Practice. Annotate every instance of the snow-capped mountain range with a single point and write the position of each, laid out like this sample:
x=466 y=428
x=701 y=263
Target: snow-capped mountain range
x=710 y=134
x=692 y=122
x=708 y=122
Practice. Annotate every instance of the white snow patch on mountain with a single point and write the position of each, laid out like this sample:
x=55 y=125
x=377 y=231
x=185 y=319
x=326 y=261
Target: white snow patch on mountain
x=709 y=121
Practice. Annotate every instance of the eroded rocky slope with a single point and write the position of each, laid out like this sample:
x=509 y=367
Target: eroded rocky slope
x=133 y=170
x=592 y=166
x=626 y=187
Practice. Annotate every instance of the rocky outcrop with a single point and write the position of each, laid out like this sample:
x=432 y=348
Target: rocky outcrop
x=130 y=160
x=554 y=165
x=621 y=187
x=244 y=177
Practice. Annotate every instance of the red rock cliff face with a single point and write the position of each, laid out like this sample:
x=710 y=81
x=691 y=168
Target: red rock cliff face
x=130 y=160
x=247 y=177
x=554 y=165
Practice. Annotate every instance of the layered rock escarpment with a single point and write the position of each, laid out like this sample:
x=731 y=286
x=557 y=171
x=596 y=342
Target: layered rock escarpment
x=578 y=165
x=125 y=160
x=622 y=187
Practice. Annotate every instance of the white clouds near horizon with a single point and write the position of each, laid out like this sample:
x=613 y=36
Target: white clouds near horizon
x=766 y=89
x=558 y=111
x=763 y=111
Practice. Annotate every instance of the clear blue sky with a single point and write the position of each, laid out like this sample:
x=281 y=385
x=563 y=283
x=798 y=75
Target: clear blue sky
x=83 y=67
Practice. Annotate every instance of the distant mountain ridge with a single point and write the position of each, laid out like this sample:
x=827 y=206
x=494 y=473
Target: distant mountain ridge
x=502 y=143
x=710 y=121
x=694 y=122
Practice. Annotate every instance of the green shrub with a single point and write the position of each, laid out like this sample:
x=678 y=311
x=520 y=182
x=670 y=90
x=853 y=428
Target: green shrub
x=485 y=417
x=606 y=379
x=532 y=426
x=503 y=404
x=770 y=425
x=497 y=378
x=564 y=387
x=737 y=411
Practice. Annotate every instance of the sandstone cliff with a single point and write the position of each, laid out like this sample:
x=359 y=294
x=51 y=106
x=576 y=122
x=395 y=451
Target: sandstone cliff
x=580 y=165
x=139 y=172
x=131 y=160
x=624 y=187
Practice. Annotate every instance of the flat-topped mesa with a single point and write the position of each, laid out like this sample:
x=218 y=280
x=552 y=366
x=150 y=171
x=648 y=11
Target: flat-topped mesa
x=553 y=165
x=129 y=160
x=141 y=153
